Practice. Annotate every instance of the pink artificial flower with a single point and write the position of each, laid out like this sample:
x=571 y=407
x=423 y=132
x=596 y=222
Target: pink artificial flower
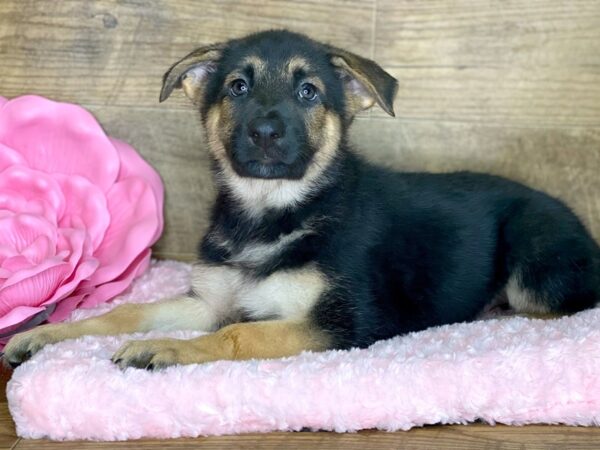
x=78 y=212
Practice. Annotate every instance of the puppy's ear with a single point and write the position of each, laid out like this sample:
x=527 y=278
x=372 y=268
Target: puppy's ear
x=364 y=82
x=191 y=72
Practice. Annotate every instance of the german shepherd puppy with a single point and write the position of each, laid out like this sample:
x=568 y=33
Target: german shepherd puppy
x=312 y=248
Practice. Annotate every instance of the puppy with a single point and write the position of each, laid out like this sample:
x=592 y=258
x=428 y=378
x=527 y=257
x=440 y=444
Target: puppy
x=312 y=248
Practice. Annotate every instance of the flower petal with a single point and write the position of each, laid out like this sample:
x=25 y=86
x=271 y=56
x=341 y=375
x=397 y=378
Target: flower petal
x=39 y=250
x=113 y=288
x=32 y=290
x=6 y=252
x=83 y=271
x=78 y=210
x=91 y=296
x=17 y=315
x=82 y=265
x=59 y=138
x=86 y=207
x=13 y=264
x=10 y=157
x=134 y=221
x=132 y=164
x=19 y=231
x=66 y=306
x=31 y=191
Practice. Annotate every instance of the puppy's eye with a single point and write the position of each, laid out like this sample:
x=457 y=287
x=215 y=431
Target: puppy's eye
x=308 y=92
x=238 y=87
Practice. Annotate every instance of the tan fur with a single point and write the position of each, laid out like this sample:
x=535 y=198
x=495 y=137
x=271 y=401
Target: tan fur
x=240 y=341
x=258 y=64
x=523 y=300
x=196 y=70
x=193 y=83
x=256 y=195
x=326 y=134
x=219 y=127
x=221 y=294
x=183 y=313
x=295 y=63
x=124 y=319
x=216 y=285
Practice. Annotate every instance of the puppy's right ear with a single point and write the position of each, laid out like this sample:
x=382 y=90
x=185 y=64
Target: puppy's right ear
x=191 y=72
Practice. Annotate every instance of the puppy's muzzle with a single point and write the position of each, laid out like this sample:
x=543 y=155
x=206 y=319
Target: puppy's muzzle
x=268 y=142
x=265 y=132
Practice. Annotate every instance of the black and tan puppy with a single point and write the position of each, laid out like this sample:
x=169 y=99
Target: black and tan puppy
x=310 y=247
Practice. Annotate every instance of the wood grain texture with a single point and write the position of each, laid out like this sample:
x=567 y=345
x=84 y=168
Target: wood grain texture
x=508 y=87
x=561 y=161
x=8 y=437
x=540 y=96
x=110 y=52
x=474 y=437
x=172 y=141
x=488 y=33
x=512 y=62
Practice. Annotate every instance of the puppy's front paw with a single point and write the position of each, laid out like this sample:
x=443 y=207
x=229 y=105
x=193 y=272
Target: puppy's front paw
x=151 y=354
x=24 y=345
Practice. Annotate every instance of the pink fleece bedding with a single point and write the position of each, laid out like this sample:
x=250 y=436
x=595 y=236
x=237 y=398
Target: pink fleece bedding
x=512 y=370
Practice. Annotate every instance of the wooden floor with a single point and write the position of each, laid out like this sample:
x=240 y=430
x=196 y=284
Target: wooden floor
x=457 y=437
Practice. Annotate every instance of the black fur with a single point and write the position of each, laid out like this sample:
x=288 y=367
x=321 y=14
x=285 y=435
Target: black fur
x=406 y=251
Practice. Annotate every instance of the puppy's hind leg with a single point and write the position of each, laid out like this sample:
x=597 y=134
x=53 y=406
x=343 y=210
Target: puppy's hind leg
x=553 y=263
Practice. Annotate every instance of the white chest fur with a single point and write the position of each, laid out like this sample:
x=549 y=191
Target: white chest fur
x=285 y=294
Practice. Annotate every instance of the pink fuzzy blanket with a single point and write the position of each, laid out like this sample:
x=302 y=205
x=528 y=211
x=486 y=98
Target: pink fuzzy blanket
x=511 y=370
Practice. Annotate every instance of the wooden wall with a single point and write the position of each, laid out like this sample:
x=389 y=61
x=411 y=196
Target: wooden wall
x=504 y=86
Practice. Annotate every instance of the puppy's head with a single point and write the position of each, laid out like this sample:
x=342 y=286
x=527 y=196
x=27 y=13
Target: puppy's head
x=275 y=104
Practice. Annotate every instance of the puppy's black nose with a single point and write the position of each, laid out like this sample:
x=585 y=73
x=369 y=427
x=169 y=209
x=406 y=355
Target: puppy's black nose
x=265 y=131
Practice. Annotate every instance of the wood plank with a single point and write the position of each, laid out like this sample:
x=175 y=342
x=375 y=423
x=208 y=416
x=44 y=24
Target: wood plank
x=538 y=33
x=110 y=52
x=562 y=161
x=5 y=374
x=172 y=142
x=507 y=63
x=8 y=436
x=472 y=437
x=513 y=96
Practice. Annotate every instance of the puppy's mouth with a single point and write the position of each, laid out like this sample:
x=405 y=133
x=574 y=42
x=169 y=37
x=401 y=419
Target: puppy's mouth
x=267 y=168
x=272 y=163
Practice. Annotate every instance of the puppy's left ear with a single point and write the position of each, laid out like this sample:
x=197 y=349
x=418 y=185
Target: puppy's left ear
x=365 y=83
x=191 y=72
